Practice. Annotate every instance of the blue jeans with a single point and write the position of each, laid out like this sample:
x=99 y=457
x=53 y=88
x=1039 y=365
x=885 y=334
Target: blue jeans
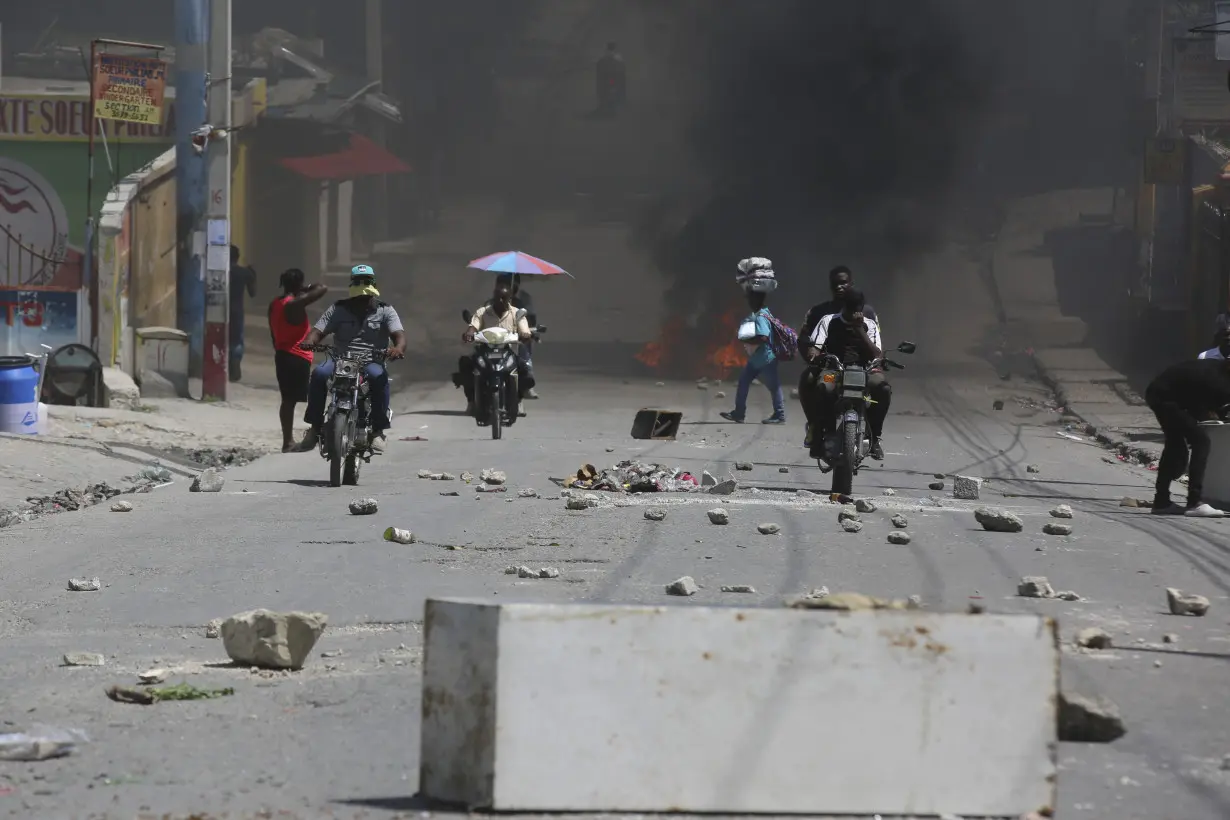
x=769 y=377
x=378 y=387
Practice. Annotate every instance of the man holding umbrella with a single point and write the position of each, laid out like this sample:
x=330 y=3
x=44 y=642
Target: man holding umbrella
x=499 y=312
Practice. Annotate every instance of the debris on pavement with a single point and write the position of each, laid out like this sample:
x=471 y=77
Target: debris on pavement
x=527 y=493
x=399 y=536
x=1170 y=637
x=526 y=572
x=966 y=488
x=707 y=479
x=1035 y=586
x=213 y=629
x=443 y=477
x=848 y=512
x=272 y=640
x=1128 y=501
x=852 y=525
x=364 y=506
x=726 y=487
x=151 y=676
x=914 y=602
x=84 y=659
x=783 y=470
x=899 y=521
x=467 y=477
x=493 y=476
x=994 y=520
x=846 y=602
x=579 y=503
x=1032 y=468
x=218 y=458
x=451 y=494
x=84 y=584
x=40 y=744
x=180 y=691
x=721 y=394
x=655 y=514
x=889 y=491
x=426 y=474
x=818 y=592
x=1055 y=528
x=863 y=505
x=744 y=466
x=936 y=485
x=154 y=472
x=412 y=438
x=899 y=537
x=491 y=488
x=719 y=516
x=208 y=481
x=1088 y=720
x=743 y=588
x=768 y=529
x=1181 y=603
x=1068 y=595
x=1094 y=638
x=634 y=477
x=938 y=476
x=70 y=500
x=1062 y=511
x=121 y=506
x=548 y=572
x=684 y=586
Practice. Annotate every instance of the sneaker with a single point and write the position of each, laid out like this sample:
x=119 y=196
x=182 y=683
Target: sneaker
x=877 y=450
x=1203 y=511
x=310 y=439
x=531 y=393
x=732 y=417
x=377 y=444
x=774 y=420
x=1167 y=509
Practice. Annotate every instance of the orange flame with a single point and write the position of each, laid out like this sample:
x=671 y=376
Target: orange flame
x=707 y=351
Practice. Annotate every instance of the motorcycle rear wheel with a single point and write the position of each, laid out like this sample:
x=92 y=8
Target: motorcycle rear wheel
x=338 y=445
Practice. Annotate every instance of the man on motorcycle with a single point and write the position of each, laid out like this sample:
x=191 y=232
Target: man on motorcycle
x=499 y=312
x=360 y=322
x=841 y=281
x=521 y=300
x=853 y=339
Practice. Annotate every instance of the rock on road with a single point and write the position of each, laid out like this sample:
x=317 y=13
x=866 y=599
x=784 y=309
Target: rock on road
x=339 y=738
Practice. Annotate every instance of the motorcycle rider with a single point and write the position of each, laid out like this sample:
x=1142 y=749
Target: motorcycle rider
x=841 y=280
x=499 y=312
x=361 y=322
x=853 y=339
x=522 y=300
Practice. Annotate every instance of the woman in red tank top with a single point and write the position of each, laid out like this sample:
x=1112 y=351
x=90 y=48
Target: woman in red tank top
x=288 y=325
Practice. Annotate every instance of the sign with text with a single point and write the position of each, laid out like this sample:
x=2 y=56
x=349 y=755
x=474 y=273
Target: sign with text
x=36 y=317
x=129 y=89
x=62 y=118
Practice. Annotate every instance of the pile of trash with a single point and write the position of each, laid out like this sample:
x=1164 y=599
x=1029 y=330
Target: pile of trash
x=73 y=499
x=218 y=458
x=634 y=477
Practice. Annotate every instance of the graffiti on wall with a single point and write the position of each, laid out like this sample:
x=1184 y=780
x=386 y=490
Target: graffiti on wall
x=34 y=249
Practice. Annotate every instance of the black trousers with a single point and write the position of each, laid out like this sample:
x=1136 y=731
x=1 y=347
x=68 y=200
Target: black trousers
x=818 y=399
x=1182 y=430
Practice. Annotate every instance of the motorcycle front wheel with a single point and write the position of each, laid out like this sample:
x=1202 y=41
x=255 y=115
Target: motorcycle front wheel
x=843 y=477
x=497 y=416
x=339 y=443
x=350 y=465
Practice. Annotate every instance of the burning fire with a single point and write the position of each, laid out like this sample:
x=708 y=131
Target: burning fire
x=707 y=351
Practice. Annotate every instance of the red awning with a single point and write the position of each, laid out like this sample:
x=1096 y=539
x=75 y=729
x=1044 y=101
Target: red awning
x=360 y=159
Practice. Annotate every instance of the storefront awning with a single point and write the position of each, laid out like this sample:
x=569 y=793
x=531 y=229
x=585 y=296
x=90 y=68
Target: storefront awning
x=360 y=158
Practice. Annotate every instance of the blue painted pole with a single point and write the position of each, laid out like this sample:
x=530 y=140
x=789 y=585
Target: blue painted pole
x=191 y=43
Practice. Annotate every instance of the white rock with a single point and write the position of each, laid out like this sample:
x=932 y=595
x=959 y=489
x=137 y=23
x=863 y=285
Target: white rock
x=1094 y=638
x=426 y=474
x=850 y=525
x=899 y=521
x=153 y=675
x=523 y=572
x=818 y=592
x=1182 y=603
x=84 y=584
x=655 y=514
x=1062 y=511
x=743 y=588
x=121 y=506
x=467 y=476
x=721 y=394
x=768 y=529
x=364 y=506
x=1068 y=595
x=84 y=659
x=443 y=477
x=1055 y=528
x=889 y=491
x=577 y=504
x=213 y=629
x=272 y=640
x=719 y=516
x=548 y=572
x=1035 y=586
x=492 y=476
x=914 y=602
x=527 y=493
x=994 y=520
x=848 y=513
x=966 y=488
x=864 y=505
x=207 y=482
x=783 y=470
x=684 y=586
x=899 y=537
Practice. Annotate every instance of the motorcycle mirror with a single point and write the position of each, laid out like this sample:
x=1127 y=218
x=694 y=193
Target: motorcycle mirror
x=540 y=329
x=521 y=313
x=465 y=315
x=906 y=347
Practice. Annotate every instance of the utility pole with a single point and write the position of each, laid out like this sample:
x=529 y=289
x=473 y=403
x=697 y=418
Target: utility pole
x=217 y=216
x=191 y=35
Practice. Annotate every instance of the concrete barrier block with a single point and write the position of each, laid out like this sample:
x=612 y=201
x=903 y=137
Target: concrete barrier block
x=549 y=707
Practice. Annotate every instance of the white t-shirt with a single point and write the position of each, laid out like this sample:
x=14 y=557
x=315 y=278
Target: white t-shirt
x=1214 y=353
x=821 y=334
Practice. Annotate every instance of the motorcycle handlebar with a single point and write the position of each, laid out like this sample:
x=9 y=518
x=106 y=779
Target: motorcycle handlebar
x=373 y=355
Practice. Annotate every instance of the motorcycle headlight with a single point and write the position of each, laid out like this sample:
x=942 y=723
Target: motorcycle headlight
x=346 y=368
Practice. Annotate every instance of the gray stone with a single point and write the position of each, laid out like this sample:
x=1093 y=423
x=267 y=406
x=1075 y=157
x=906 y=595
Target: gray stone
x=121 y=506
x=577 y=504
x=889 y=491
x=1035 y=586
x=514 y=570
x=444 y=477
x=1033 y=468
x=818 y=593
x=721 y=394
x=848 y=512
x=1182 y=603
x=207 y=482
x=1088 y=720
x=707 y=479
x=702 y=386
x=899 y=537
x=743 y=588
x=272 y=640
x=745 y=466
x=83 y=659
x=684 y=586
x=467 y=476
x=452 y=494
x=783 y=470
x=548 y=572
x=1170 y=637
x=527 y=493
x=492 y=476
x=84 y=584
x=491 y=488
x=1055 y=528
x=863 y=505
x=936 y=485
x=1068 y=595
x=993 y=520
x=851 y=525
x=120 y=390
x=719 y=516
x=426 y=474
x=899 y=521
x=364 y=506
x=1093 y=638
x=1062 y=511
x=915 y=602
x=726 y=487
x=966 y=488
x=768 y=529
x=213 y=629
x=655 y=514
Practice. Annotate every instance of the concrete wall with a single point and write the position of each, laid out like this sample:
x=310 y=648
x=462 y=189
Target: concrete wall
x=152 y=270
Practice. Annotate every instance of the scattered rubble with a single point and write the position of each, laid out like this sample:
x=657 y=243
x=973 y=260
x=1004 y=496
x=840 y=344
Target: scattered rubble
x=899 y=537
x=121 y=506
x=768 y=529
x=993 y=520
x=818 y=592
x=491 y=488
x=492 y=476
x=526 y=572
x=1181 y=603
x=180 y=691
x=889 y=491
x=425 y=474
x=451 y=494
x=1032 y=468
x=914 y=602
x=207 y=482
x=443 y=477
x=721 y=394
x=783 y=470
x=467 y=477
x=966 y=488
x=899 y=521
x=272 y=640
x=84 y=584
x=936 y=485
x=584 y=502
x=1170 y=637
x=655 y=514
x=634 y=477
x=863 y=505
x=151 y=676
x=1035 y=586
x=1055 y=528
x=43 y=745
x=719 y=516
x=213 y=629
x=1068 y=595
x=852 y=525
x=707 y=479
x=1128 y=501
x=84 y=659
x=848 y=512
x=364 y=506
x=684 y=586
x=70 y=500
x=218 y=458
x=1093 y=638
x=744 y=466
x=399 y=536
x=1088 y=720
x=527 y=493
x=726 y=487
x=939 y=476
x=1062 y=511
x=846 y=602
x=743 y=588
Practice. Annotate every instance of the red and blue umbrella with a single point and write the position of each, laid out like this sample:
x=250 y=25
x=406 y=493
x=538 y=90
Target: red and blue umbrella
x=517 y=262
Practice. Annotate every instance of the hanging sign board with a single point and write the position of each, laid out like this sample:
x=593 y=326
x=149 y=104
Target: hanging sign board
x=130 y=89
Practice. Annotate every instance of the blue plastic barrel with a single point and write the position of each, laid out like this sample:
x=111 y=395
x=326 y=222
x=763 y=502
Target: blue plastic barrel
x=18 y=395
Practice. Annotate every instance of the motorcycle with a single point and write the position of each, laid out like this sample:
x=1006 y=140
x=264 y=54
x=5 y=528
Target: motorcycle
x=847 y=447
x=346 y=436
x=497 y=389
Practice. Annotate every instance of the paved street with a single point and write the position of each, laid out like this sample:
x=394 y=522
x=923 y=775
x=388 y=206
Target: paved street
x=339 y=739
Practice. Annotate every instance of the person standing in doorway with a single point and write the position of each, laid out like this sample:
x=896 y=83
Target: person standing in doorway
x=612 y=81
x=243 y=281
x=1184 y=395
x=288 y=325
